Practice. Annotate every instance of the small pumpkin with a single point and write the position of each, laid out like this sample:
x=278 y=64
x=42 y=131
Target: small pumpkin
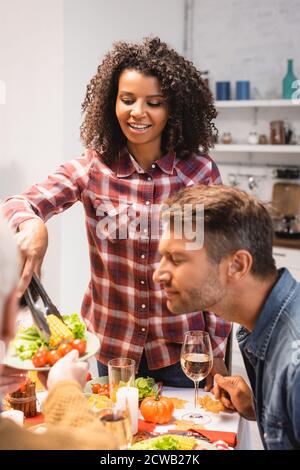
x=158 y=410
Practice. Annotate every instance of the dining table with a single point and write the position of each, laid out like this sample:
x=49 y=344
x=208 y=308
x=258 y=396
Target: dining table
x=227 y=426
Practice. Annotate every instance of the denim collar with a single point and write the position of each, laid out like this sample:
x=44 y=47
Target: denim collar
x=280 y=296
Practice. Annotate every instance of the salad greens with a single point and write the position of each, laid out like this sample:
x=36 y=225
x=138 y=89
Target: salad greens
x=76 y=325
x=146 y=386
x=166 y=442
x=28 y=340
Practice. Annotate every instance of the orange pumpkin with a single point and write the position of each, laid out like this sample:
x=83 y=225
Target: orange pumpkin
x=157 y=410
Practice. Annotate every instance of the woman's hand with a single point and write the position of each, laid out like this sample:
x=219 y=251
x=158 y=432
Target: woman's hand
x=32 y=239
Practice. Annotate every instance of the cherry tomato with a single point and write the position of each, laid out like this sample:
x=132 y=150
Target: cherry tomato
x=96 y=388
x=64 y=349
x=80 y=345
x=101 y=389
x=52 y=357
x=40 y=358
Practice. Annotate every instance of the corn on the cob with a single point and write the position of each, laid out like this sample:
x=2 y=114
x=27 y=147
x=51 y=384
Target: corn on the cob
x=59 y=331
x=185 y=443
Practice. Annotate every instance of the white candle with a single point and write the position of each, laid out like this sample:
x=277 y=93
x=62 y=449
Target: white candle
x=128 y=397
x=15 y=415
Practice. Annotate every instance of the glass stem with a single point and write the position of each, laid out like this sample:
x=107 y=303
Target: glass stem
x=196 y=393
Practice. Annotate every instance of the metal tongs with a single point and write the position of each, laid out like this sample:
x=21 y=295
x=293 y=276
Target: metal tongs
x=34 y=290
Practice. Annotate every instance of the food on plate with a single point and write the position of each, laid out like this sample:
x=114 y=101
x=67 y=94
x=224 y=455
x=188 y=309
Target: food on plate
x=146 y=387
x=210 y=404
x=100 y=401
x=23 y=399
x=65 y=336
x=185 y=425
x=59 y=331
x=157 y=409
x=166 y=442
x=178 y=403
x=100 y=389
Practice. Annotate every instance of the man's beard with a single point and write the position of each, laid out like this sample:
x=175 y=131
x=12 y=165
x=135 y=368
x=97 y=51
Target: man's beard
x=199 y=299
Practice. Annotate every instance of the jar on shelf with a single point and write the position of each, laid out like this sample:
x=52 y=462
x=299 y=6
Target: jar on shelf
x=253 y=138
x=262 y=139
x=277 y=136
x=226 y=138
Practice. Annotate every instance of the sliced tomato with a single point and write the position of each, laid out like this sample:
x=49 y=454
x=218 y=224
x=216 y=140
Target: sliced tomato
x=80 y=345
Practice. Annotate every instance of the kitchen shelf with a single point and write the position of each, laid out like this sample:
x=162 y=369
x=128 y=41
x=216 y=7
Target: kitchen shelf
x=295 y=149
x=258 y=104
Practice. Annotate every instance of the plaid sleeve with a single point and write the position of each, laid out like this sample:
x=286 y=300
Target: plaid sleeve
x=43 y=200
x=218 y=331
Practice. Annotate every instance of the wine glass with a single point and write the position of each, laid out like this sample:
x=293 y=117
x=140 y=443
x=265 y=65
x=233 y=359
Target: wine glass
x=117 y=422
x=196 y=361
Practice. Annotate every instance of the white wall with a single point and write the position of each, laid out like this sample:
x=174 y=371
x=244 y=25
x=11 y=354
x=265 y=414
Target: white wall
x=48 y=52
x=90 y=28
x=247 y=40
x=31 y=56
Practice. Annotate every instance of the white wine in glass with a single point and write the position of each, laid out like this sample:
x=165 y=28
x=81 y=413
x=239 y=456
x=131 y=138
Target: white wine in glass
x=196 y=361
x=117 y=422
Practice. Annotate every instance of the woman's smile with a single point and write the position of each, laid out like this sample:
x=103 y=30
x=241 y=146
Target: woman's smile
x=142 y=114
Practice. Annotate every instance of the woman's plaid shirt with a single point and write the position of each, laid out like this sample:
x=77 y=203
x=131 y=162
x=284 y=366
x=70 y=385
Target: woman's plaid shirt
x=122 y=305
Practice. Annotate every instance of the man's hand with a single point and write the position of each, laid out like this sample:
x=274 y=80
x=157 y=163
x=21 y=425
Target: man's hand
x=68 y=369
x=11 y=379
x=235 y=394
x=217 y=368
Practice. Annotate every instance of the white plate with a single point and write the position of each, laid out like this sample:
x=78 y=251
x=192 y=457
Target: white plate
x=12 y=360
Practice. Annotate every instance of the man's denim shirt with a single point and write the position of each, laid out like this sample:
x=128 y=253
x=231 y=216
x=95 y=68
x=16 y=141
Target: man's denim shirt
x=271 y=354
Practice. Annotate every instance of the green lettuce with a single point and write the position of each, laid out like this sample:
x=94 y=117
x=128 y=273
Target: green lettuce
x=166 y=442
x=76 y=325
x=146 y=386
x=27 y=342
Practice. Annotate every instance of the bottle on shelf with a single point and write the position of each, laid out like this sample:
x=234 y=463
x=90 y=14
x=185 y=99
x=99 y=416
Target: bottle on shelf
x=289 y=79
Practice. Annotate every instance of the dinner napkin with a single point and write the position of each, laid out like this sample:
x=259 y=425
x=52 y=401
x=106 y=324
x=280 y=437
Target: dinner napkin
x=228 y=437
x=34 y=420
x=145 y=426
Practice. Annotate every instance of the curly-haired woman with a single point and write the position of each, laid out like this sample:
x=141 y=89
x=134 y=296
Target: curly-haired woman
x=147 y=112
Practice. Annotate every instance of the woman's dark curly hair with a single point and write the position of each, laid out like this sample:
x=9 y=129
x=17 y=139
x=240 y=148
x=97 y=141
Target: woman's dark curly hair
x=190 y=103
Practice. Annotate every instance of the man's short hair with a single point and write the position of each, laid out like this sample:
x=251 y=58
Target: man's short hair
x=233 y=220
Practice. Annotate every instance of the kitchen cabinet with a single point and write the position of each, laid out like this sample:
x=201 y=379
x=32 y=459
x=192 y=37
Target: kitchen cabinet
x=240 y=117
